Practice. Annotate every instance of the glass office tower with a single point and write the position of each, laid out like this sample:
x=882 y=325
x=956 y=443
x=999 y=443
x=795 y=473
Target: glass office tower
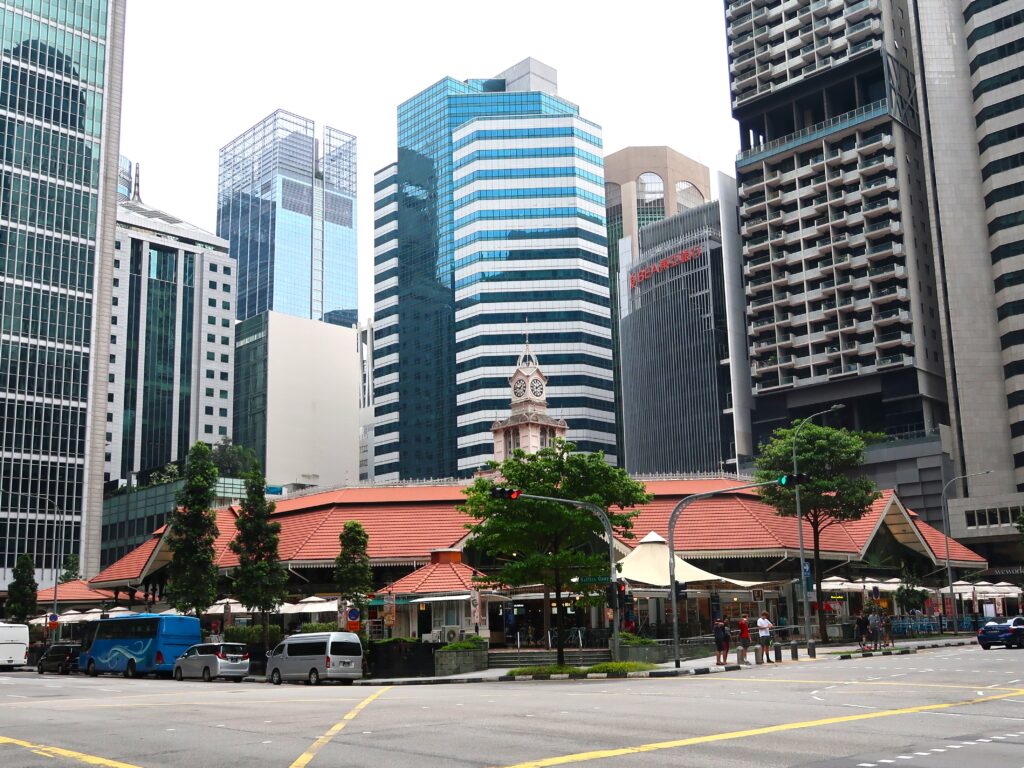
x=60 y=82
x=490 y=225
x=286 y=203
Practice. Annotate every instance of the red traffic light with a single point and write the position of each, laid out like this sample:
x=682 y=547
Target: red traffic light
x=500 y=492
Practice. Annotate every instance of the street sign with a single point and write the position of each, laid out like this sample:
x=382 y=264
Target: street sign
x=53 y=617
x=353 y=614
x=594 y=579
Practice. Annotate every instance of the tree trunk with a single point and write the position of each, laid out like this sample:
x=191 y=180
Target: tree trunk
x=545 y=614
x=819 y=595
x=265 y=618
x=559 y=634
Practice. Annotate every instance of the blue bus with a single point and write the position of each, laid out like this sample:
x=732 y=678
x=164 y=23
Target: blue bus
x=137 y=645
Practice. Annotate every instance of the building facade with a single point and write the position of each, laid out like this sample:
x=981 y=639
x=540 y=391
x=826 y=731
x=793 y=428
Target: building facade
x=60 y=95
x=643 y=185
x=172 y=337
x=840 y=276
x=529 y=427
x=297 y=399
x=491 y=224
x=972 y=58
x=286 y=202
x=685 y=377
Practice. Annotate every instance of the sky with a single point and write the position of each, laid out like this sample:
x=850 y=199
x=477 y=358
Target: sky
x=197 y=74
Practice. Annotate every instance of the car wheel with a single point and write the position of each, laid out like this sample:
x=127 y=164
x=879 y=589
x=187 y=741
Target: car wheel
x=177 y=674
x=314 y=677
x=61 y=669
x=91 y=669
x=348 y=681
x=275 y=677
x=39 y=669
x=129 y=671
x=984 y=646
x=237 y=679
x=206 y=675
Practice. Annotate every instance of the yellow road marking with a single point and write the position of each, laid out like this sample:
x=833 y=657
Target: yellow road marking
x=47 y=751
x=317 y=745
x=599 y=754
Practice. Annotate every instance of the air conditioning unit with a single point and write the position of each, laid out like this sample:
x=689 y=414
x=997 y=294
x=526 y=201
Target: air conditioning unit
x=451 y=634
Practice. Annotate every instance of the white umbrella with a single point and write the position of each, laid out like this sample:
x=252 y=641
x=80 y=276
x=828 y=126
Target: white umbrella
x=648 y=563
x=313 y=599
x=324 y=606
x=286 y=608
x=39 y=620
x=71 y=617
x=219 y=606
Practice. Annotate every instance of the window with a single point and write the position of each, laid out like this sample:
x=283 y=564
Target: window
x=113 y=358
x=687 y=196
x=117 y=282
x=110 y=397
x=225 y=322
x=225 y=305
x=223 y=394
x=343 y=648
x=223 y=375
x=227 y=270
x=315 y=648
x=209 y=373
x=110 y=417
x=110 y=378
x=211 y=337
x=208 y=410
x=223 y=412
x=222 y=430
x=113 y=320
x=113 y=301
x=211 y=303
x=213 y=267
x=113 y=339
x=208 y=429
x=970 y=519
x=211 y=320
x=226 y=288
x=209 y=392
x=223 y=358
x=1004 y=516
x=213 y=285
x=225 y=340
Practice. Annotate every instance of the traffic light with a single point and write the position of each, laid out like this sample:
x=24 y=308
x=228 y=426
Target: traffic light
x=610 y=595
x=791 y=481
x=620 y=589
x=680 y=588
x=500 y=492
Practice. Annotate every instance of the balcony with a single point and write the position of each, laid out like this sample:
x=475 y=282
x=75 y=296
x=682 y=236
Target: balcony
x=891 y=360
x=858 y=11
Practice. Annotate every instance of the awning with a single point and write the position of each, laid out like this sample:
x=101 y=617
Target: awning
x=439 y=598
x=648 y=563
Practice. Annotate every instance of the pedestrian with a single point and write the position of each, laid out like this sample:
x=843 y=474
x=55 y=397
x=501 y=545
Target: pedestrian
x=862 y=629
x=764 y=635
x=720 y=630
x=744 y=638
x=874 y=629
x=887 y=630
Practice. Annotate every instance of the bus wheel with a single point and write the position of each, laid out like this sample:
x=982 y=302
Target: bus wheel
x=129 y=671
x=91 y=669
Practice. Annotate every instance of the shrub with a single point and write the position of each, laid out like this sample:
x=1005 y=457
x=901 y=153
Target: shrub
x=628 y=638
x=319 y=626
x=619 y=667
x=252 y=634
x=389 y=640
x=547 y=669
x=471 y=643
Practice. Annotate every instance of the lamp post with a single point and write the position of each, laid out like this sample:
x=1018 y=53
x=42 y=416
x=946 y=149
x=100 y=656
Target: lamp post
x=945 y=517
x=800 y=524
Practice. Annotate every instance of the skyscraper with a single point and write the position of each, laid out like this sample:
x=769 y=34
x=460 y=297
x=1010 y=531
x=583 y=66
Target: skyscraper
x=490 y=225
x=972 y=57
x=839 y=270
x=60 y=96
x=286 y=204
x=172 y=341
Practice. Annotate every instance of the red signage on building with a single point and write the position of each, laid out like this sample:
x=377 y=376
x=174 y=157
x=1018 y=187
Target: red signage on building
x=669 y=262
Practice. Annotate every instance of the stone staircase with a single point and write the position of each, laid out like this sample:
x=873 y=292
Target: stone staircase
x=575 y=657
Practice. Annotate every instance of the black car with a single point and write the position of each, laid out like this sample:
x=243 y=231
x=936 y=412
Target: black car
x=62 y=659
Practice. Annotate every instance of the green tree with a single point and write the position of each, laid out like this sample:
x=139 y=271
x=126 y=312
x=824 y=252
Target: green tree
x=72 y=570
x=192 y=573
x=166 y=474
x=352 y=571
x=233 y=460
x=1020 y=522
x=260 y=579
x=549 y=542
x=21 y=592
x=835 y=492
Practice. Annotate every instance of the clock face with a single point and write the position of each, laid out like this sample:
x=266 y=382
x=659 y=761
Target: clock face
x=537 y=387
x=519 y=388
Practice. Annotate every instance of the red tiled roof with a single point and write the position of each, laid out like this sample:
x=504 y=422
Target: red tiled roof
x=76 y=591
x=437 y=577
x=129 y=567
x=405 y=494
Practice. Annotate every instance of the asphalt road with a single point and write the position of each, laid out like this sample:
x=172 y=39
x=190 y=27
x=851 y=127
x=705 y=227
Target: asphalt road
x=944 y=708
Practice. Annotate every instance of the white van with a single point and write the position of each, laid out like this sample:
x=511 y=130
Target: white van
x=13 y=645
x=315 y=657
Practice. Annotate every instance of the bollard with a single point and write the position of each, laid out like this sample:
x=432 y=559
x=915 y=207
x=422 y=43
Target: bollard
x=758 y=654
x=794 y=650
x=778 y=652
x=811 y=651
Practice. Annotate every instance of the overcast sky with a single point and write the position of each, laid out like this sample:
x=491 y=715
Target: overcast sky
x=197 y=74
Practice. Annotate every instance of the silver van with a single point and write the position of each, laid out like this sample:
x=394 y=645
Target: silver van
x=211 y=660
x=315 y=657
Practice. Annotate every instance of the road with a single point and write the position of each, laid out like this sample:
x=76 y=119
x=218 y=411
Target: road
x=944 y=708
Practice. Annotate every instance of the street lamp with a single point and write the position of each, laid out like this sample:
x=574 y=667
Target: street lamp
x=945 y=517
x=800 y=524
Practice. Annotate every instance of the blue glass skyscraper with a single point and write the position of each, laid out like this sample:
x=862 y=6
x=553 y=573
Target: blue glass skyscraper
x=286 y=204
x=60 y=96
x=490 y=225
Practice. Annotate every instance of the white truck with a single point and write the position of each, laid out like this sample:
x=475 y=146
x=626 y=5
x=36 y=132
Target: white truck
x=13 y=645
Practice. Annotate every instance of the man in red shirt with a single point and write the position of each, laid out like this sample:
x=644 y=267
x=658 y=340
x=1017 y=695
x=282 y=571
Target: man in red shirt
x=741 y=651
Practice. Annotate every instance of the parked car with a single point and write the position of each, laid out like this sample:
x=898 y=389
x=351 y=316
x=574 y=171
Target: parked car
x=61 y=658
x=316 y=656
x=1009 y=633
x=212 y=660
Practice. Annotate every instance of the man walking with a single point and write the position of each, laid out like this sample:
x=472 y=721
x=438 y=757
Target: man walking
x=764 y=635
x=741 y=650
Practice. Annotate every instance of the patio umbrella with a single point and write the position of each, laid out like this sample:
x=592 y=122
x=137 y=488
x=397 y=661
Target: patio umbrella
x=38 y=620
x=323 y=606
x=92 y=614
x=71 y=617
x=219 y=606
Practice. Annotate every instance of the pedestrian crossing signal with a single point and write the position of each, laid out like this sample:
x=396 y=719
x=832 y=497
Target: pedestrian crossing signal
x=500 y=492
x=791 y=481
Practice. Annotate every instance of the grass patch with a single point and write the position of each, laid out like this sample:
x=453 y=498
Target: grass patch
x=471 y=643
x=628 y=638
x=617 y=667
x=547 y=669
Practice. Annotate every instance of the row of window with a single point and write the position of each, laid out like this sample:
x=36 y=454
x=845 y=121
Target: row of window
x=980 y=518
x=993 y=27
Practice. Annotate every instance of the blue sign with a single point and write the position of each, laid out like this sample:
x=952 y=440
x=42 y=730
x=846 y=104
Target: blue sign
x=353 y=614
x=53 y=617
x=275 y=490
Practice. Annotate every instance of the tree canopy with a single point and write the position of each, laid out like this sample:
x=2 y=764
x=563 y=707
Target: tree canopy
x=260 y=580
x=550 y=542
x=192 y=531
x=835 y=491
x=233 y=460
x=72 y=570
x=21 y=592
x=352 y=571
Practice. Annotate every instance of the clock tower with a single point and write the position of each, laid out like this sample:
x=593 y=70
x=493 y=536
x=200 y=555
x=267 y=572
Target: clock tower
x=528 y=426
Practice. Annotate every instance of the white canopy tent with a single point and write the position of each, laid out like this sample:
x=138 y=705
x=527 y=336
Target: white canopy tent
x=648 y=564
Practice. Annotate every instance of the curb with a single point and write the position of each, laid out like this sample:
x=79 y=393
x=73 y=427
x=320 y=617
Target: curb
x=903 y=651
x=623 y=675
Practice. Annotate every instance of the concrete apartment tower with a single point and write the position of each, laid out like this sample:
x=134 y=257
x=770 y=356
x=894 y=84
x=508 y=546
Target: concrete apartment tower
x=643 y=185
x=840 y=274
x=491 y=225
x=61 y=102
x=972 y=57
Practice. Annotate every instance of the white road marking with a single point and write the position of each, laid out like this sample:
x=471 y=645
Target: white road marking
x=16 y=696
x=866 y=765
x=859 y=706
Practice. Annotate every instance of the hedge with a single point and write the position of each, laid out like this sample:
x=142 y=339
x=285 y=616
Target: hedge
x=252 y=634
